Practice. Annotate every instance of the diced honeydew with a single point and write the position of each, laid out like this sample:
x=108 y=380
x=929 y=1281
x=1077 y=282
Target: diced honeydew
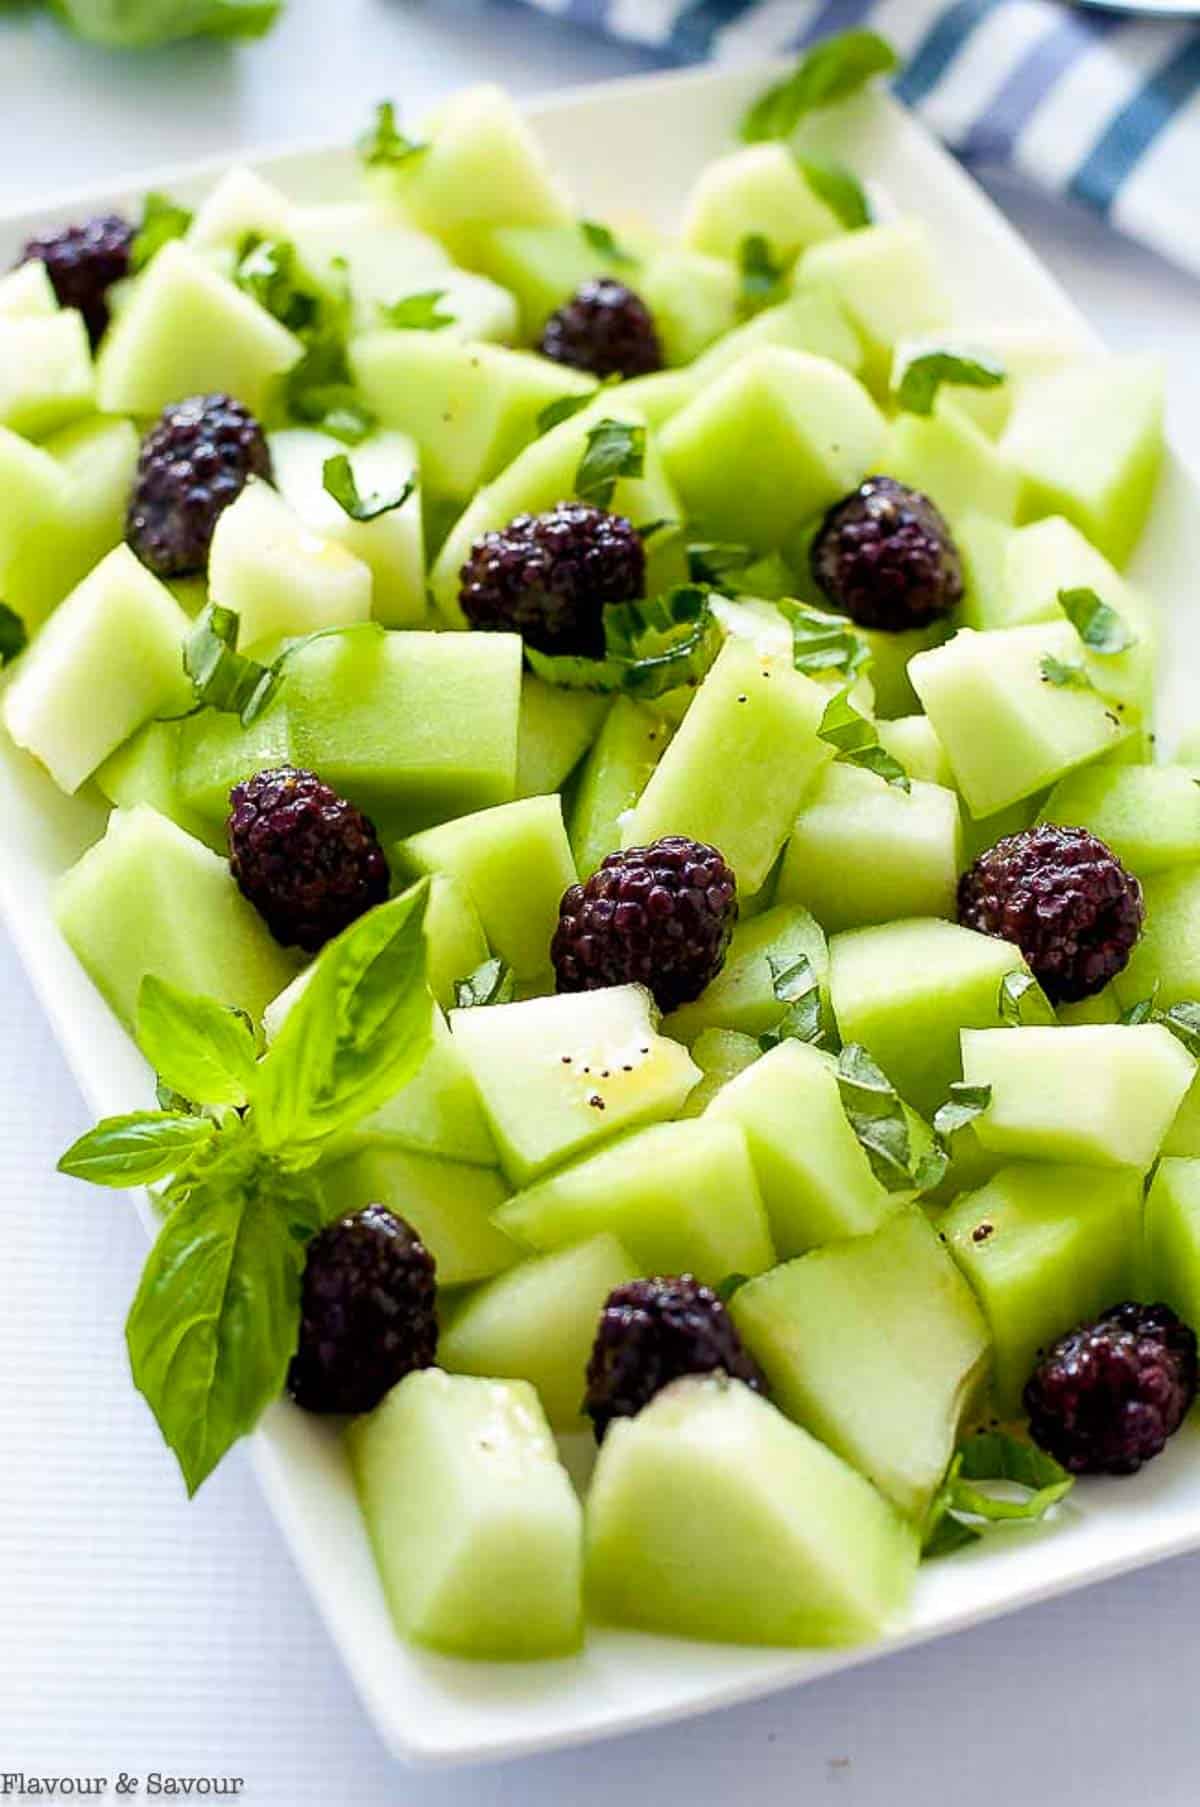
x=810 y=320
x=1172 y=1228
x=144 y=769
x=759 y=191
x=98 y=456
x=280 y=576
x=556 y=729
x=1149 y=815
x=743 y=995
x=912 y=739
x=27 y=291
x=448 y=1203
x=887 y=280
x=614 y=775
x=720 y=1054
x=242 y=204
x=1165 y=964
x=693 y=300
x=46 y=376
x=947 y=457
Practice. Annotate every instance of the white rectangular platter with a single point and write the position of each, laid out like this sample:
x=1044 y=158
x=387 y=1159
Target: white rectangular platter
x=629 y=150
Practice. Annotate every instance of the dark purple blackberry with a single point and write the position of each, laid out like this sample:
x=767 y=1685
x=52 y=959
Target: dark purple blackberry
x=1107 y=1396
x=548 y=577
x=604 y=328
x=193 y=464
x=885 y=557
x=83 y=262
x=367 y=1313
x=309 y=862
x=1064 y=899
x=659 y=916
x=652 y=1332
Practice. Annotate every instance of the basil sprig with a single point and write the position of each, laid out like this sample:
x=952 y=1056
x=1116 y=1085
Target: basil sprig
x=831 y=71
x=963 y=1510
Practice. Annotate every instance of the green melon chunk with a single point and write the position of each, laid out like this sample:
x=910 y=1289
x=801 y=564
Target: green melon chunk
x=414 y=727
x=240 y=203
x=906 y=989
x=890 y=657
x=469 y=408
x=46 y=376
x=455 y=944
x=712 y=1516
x=27 y=291
x=34 y=488
x=980 y=833
x=810 y=320
x=279 y=576
x=771 y=441
x=912 y=739
x=720 y=1054
x=816 y=1180
x=659 y=397
x=97 y=458
x=483 y=1558
x=143 y=770
x=556 y=729
x=1182 y=1140
x=1097 y=1094
x=615 y=773
x=1166 y=961
x=947 y=457
x=1102 y=1007
x=514 y=862
x=1045 y=1249
x=448 y=1203
x=538 y=1323
x=392 y=546
x=1172 y=1230
x=887 y=280
x=826 y=1329
x=756 y=191
x=1148 y=815
x=214 y=752
x=983 y=547
x=865 y=851
x=558 y=1074
x=1007 y=729
x=681 y=1197
x=186 y=331
x=1025 y=354
x=693 y=299
x=1089 y=443
x=541 y=265
x=742 y=996
x=148 y=898
x=752 y=717
x=107 y=660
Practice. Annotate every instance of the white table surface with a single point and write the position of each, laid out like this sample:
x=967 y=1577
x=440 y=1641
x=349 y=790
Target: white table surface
x=139 y=1633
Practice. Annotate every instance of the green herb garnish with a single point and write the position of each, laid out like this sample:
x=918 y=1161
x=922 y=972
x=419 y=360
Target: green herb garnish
x=839 y=188
x=824 y=642
x=1100 y=627
x=712 y=561
x=961 y=1513
x=763 y=279
x=270 y=272
x=877 y=1116
x=226 y=680
x=1063 y=675
x=795 y=986
x=1182 y=1019
x=1017 y=990
x=14 y=637
x=383 y=145
x=417 y=313
x=614 y=450
x=601 y=240
x=491 y=983
x=965 y=1103
x=857 y=741
x=338 y=480
x=924 y=375
x=162 y=220
x=732 y=1283
x=651 y=647
x=829 y=72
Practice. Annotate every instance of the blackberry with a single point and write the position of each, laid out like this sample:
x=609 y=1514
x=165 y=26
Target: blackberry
x=308 y=861
x=1107 y=1396
x=885 y=557
x=659 y=916
x=83 y=262
x=652 y=1332
x=1064 y=899
x=548 y=577
x=367 y=1313
x=604 y=328
x=193 y=464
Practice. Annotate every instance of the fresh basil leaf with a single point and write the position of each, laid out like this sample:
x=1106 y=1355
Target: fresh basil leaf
x=712 y=561
x=996 y=1456
x=417 y=313
x=1144 y=1011
x=136 y=1149
x=924 y=375
x=358 y=1032
x=170 y=1100
x=824 y=642
x=876 y=1115
x=1063 y=675
x=162 y=220
x=839 y=188
x=1022 y=1001
x=223 y=678
x=1100 y=627
x=601 y=240
x=383 y=145
x=268 y=270
x=338 y=480
x=652 y=647
x=946 y=1535
x=731 y=1284
x=197 y=1046
x=614 y=450
x=795 y=986
x=554 y=413
x=965 y=1103
x=762 y=277
x=831 y=71
x=13 y=636
x=857 y=741
x=215 y=1320
x=491 y=983
x=1183 y=1020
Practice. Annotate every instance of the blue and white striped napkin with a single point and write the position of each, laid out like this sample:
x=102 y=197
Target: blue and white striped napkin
x=1101 y=109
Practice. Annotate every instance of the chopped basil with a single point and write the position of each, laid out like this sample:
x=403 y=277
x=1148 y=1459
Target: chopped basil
x=1063 y=675
x=1182 y=1019
x=417 y=313
x=1018 y=989
x=651 y=647
x=839 y=188
x=857 y=741
x=876 y=1115
x=491 y=983
x=712 y=561
x=824 y=642
x=383 y=144
x=1100 y=627
x=924 y=375
x=554 y=413
x=13 y=635
x=337 y=477
x=965 y=1103
x=795 y=986
x=961 y=1512
x=762 y=277
x=601 y=239
x=162 y=220
x=614 y=450
x=270 y=272
x=829 y=72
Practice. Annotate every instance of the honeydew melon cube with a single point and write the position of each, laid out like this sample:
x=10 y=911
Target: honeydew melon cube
x=1007 y=730
x=1088 y=441
x=240 y=204
x=946 y=456
x=537 y=1322
x=1182 y=1140
x=469 y=408
x=906 y=989
x=214 y=752
x=1102 y=1007
x=774 y=439
x=280 y=576
x=710 y=1515
x=414 y=727
x=1044 y=1248
x=891 y=655
x=143 y=770
x=1166 y=961
x=982 y=832
x=681 y=1197
x=816 y=1180
x=1102 y=1095
x=448 y=1203
x=614 y=775
x=483 y=168
x=1025 y=354
x=559 y=1074
x=514 y=862
x=540 y=265
x=825 y=1330
x=864 y=851
x=455 y=944
x=392 y=546
x=810 y=320
x=1149 y=815
x=720 y=1054
x=108 y=659
x=27 y=290
x=759 y=190
x=34 y=486
x=693 y=299
x=187 y=331
x=983 y=543
x=752 y=717
x=556 y=729
x=149 y=898
x=1172 y=1230
x=369 y=247
x=46 y=375
x=742 y=996
x=483 y=1558
x=543 y=475
x=62 y=536
x=659 y=397
x=912 y=739
x=887 y=280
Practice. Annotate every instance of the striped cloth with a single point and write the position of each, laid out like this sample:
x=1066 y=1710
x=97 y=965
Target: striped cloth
x=1101 y=109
